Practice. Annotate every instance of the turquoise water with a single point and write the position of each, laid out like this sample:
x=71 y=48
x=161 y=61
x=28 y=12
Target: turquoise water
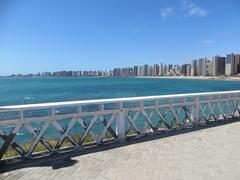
x=39 y=90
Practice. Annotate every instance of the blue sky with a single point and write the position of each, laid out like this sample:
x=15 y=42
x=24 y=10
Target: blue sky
x=51 y=35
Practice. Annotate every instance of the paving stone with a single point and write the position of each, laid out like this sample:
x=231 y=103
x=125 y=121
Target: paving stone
x=212 y=153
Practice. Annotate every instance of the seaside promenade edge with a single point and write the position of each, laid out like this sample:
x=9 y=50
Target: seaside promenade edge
x=91 y=123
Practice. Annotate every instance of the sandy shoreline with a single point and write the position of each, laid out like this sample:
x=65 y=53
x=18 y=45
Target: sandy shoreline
x=194 y=77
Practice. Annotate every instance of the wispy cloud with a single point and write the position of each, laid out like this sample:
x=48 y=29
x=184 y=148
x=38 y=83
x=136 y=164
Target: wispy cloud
x=186 y=9
x=208 y=41
x=166 y=12
x=192 y=9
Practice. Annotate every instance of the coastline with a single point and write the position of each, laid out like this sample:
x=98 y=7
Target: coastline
x=235 y=78
x=232 y=78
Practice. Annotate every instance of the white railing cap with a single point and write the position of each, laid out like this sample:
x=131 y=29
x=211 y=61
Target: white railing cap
x=106 y=101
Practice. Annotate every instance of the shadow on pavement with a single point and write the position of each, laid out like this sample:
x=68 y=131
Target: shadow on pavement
x=59 y=163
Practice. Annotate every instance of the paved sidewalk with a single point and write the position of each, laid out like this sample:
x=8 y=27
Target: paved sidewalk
x=212 y=153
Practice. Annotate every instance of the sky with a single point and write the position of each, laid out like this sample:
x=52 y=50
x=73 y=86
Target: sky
x=53 y=35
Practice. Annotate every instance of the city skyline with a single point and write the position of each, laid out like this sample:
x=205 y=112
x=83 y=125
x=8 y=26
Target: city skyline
x=88 y=69
x=55 y=35
x=228 y=65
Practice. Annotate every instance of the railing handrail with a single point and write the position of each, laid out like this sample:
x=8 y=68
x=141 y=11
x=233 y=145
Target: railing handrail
x=111 y=100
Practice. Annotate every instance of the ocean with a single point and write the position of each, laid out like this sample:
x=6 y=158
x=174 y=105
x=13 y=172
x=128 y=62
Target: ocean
x=15 y=91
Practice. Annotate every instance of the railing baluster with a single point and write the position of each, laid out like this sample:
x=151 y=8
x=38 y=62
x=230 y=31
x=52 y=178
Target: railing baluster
x=120 y=123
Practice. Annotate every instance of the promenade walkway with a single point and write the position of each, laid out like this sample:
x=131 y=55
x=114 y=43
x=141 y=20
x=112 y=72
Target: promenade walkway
x=212 y=153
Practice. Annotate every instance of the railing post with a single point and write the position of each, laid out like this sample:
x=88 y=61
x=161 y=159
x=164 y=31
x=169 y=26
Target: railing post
x=238 y=104
x=120 y=123
x=195 y=111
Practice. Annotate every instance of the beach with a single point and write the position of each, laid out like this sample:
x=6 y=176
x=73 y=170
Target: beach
x=194 y=77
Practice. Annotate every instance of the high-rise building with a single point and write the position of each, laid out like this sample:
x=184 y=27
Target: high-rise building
x=231 y=65
x=145 y=70
x=237 y=60
x=210 y=68
x=126 y=71
x=207 y=67
x=218 y=66
x=135 y=71
x=116 y=72
x=194 y=68
x=141 y=72
x=161 y=69
x=202 y=66
x=170 y=66
x=150 y=70
x=165 y=70
x=155 y=70
x=186 y=70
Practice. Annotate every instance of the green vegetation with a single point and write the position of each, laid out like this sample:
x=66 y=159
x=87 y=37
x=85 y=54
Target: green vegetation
x=53 y=142
x=66 y=143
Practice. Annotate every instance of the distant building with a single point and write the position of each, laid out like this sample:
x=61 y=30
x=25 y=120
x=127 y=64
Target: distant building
x=155 y=70
x=165 y=70
x=150 y=71
x=46 y=74
x=129 y=71
x=170 y=67
x=186 y=70
x=135 y=71
x=237 y=60
x=194 y=68
x=161 y=73
x=202 y=67
x=228 y=65
x=141 y=71
x=116 y=72
x=145 y=70
x=206 y=66
x=218 y=66
x=231 y=65
x=210 y=68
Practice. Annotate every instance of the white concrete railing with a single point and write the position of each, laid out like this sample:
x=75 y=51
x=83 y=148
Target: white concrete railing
x=93 y=122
